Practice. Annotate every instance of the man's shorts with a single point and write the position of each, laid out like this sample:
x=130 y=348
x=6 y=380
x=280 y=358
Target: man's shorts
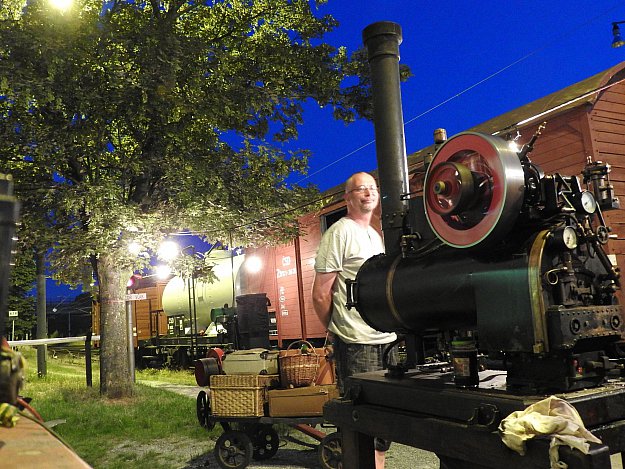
x=351 y=359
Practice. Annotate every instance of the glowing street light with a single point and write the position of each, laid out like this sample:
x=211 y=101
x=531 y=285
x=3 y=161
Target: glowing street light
x=168 y=250
x=163 y=271
x=253 y=264
x=62 y=5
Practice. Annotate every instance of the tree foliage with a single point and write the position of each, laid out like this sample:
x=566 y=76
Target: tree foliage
x=22 y=281
x=125 y=121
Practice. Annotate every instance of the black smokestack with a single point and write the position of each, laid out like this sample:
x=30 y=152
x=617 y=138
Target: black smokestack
x=382 y=40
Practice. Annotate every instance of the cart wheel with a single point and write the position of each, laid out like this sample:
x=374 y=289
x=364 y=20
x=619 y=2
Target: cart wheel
x=233 y=450
x=330 y=454
x=203 y=410
x=200 y=408
x=266 y=442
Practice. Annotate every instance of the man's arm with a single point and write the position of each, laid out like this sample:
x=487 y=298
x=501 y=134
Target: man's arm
x=322 y=295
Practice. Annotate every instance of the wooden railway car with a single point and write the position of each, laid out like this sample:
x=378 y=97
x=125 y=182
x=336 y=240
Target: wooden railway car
x=585 y=120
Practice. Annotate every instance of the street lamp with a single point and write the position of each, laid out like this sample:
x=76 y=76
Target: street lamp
x=62 y=5
x=617 y=40
x=253 y=264
x=163 y=271
x=168 y=250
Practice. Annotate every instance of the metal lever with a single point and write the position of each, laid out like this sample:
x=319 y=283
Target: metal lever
x=352 y=293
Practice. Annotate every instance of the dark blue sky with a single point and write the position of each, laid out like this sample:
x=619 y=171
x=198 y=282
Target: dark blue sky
x=471 y=61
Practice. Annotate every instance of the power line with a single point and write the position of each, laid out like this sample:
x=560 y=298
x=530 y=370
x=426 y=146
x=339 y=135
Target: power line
x=469 y=88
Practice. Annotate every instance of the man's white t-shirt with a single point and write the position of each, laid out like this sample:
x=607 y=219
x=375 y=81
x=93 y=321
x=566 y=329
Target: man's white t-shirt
x=344 y=247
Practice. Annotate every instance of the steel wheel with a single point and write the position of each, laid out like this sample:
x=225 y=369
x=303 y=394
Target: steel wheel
x=473 y=190
x=266 y=442
x=203 y=411
x=200 y=408
x=330 y=454
x=233 y=450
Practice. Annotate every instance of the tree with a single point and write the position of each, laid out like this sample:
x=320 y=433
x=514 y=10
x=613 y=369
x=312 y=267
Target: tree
x=22 y=280
x=135 y=120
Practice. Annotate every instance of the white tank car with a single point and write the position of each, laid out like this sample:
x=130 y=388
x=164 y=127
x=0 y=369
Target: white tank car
x=223 y=290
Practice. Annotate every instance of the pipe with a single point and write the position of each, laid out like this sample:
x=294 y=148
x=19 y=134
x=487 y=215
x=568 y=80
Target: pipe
x=382 y=40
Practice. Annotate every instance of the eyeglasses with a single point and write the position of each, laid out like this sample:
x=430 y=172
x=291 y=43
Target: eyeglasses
x=361 y=189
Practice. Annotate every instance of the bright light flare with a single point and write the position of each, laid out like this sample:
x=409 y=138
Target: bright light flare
x=134 y=248
x=253 y=264
x=168 y=250
x=62 y=5
x=514 y=146
x=163 y=271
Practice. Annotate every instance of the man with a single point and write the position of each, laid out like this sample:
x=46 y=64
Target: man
x=344 y=247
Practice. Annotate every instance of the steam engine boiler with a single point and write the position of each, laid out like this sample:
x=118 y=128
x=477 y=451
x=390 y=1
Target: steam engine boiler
x=497 y=252
x=493 y=251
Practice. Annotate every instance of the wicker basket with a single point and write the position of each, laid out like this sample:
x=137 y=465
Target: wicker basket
x=240 y=395
x=298 y=369
x=243 y=381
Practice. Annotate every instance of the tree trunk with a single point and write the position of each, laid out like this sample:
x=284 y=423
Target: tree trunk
x=115 y=377
x=42 y=319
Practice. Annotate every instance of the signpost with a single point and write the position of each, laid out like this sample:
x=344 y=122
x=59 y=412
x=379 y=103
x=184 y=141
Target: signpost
x=136 y=296
x=13 y=314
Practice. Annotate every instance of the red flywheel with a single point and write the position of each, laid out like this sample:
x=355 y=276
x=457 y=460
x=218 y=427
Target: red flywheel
x=473 y=190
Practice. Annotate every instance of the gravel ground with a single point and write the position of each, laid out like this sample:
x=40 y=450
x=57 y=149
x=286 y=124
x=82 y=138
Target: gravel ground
x=292 y=455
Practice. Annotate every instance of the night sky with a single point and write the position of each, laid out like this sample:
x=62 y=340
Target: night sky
x=471 y=61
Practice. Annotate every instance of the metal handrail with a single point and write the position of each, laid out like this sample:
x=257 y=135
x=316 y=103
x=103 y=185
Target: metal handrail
x=86 y=339
x=56 y=340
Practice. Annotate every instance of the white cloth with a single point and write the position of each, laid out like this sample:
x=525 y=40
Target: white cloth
x=344 y=247
x=551 y=416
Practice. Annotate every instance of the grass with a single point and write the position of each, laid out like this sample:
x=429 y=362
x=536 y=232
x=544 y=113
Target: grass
x=154 y=429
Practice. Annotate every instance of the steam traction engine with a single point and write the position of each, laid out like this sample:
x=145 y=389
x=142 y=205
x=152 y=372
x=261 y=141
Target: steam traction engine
x=514 y=262
x=497 y=258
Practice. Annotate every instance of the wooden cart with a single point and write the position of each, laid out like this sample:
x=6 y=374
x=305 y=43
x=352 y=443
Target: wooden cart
x=254 y=437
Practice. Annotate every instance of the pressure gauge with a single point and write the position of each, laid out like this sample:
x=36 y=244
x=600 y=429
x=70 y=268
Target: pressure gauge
x=588 y=202
x=566 y=237
x=569 y=236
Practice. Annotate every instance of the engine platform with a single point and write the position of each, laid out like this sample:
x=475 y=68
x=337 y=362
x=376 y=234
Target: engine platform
x=426 y=410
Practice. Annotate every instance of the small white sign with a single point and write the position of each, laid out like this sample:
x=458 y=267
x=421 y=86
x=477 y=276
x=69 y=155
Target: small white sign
x=136 y=296
x=12 y=314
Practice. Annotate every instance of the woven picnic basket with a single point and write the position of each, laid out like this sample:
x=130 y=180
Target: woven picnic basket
x=300 y=368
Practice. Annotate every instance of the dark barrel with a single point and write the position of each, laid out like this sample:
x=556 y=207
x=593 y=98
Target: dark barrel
x=253 y=321
x=450 y=290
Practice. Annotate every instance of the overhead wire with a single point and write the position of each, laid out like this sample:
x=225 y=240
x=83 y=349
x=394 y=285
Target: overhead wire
x=469 y=88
